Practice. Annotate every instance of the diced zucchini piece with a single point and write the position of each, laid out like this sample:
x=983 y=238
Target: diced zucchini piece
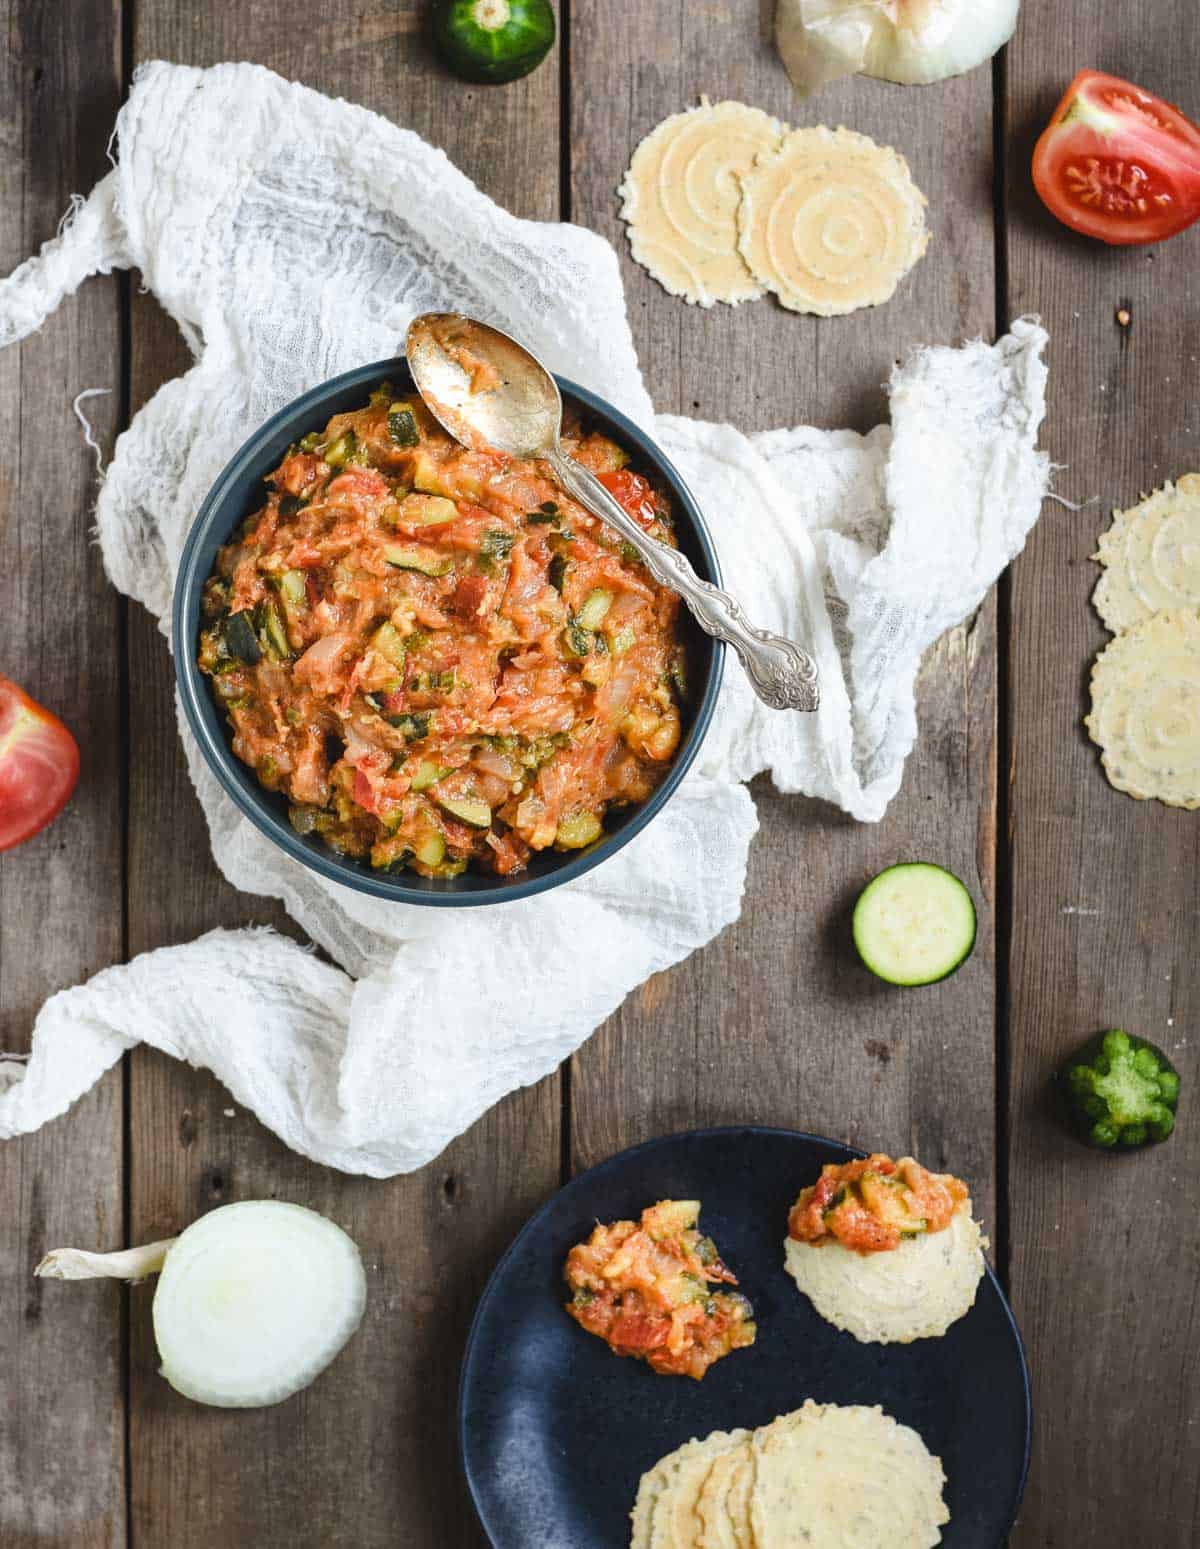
x=427 y=510
x=679 y=679
x=420 y=560
x=477 y=814
x=433 y=682
x=428 y=773
x=414 y=727
x=338 y=453
x=576 y=641
x=271 y=631
x=431 y=849
x=670 y=1217
x=623 y=640
x=426 y=473
x=293 y=587
x=495 y=547
x=389 y=642
x=311 y=442
x=595 y=606
x=240 y=639
x=578 y=831
x=402 y=425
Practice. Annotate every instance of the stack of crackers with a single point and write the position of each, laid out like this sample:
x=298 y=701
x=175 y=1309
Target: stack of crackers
x=1146 y=683
x=823 y=1474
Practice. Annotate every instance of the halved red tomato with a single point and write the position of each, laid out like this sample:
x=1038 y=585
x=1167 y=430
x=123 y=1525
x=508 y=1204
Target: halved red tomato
x=39 y=765
x=1119 y=163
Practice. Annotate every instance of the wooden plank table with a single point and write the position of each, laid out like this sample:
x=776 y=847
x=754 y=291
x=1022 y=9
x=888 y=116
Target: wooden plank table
x=1088 y=900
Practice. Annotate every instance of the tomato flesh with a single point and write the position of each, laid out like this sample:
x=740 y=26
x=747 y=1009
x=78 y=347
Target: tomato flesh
x=1119 y=163
x=39 y=765
x=634 y=493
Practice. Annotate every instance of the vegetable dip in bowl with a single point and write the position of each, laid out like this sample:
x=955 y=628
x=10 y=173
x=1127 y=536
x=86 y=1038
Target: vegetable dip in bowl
x=363 y=610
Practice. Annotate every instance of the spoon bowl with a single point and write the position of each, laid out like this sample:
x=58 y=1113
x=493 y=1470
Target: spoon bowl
x=485 y=388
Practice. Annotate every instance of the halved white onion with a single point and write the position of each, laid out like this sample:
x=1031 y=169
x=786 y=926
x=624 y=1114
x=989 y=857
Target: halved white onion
x=253 y=1301
x=913 y=42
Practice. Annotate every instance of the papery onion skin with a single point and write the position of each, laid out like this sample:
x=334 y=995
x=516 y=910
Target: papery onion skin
x=254 y=1301
x=971 y=33
x=911 y=42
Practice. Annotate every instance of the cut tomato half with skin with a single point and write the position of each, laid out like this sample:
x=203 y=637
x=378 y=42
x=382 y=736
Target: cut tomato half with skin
x=1119 y=163
x=39 y=765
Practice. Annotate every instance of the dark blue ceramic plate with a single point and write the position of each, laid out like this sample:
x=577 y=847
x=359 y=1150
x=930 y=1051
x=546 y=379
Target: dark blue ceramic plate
x=239 y=490
x=556 y=1431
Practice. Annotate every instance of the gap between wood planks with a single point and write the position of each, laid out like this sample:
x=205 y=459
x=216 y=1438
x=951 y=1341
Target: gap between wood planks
x=1001 y=867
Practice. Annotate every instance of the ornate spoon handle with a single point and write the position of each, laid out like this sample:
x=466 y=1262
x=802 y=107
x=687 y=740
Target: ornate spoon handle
x=782 y=674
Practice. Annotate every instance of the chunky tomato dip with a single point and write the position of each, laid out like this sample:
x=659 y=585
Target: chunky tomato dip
x=436 y=656
x=871 y=1206
x=644 y=1288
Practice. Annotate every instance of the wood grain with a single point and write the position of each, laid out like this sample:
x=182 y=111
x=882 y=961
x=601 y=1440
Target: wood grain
x=368 y=1453
x=61 y=1415
x=775 y=1022
x=1104 y=1262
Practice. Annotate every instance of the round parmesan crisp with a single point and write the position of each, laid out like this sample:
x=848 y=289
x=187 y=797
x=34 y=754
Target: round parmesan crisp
x=1146 y=709
x=664 y=1514
x=829 y=1477
x=831 y=221
x=914 y=1291
x=1151 y=556
x=723 y=1506
x=680 y=198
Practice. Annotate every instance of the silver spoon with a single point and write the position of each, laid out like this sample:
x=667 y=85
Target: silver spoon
x=489 y=391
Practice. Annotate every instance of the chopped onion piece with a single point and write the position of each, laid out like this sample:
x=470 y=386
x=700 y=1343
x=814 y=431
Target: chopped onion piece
x=254 y=1301
x=913 y=42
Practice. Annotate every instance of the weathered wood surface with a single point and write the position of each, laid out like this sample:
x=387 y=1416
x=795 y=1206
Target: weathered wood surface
x=61 y=1413
x=772 y=1023
x=368 y=1455
x=1104 y=1256
x=775 y=1021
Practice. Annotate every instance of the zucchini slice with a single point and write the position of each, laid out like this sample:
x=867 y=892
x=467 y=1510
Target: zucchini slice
x=595 y=607
x=420 y=560
x=427 y=510
x=914 y=924
x=476 y=814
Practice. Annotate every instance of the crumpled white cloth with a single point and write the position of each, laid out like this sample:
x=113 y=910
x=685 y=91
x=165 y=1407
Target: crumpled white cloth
x=292 y=237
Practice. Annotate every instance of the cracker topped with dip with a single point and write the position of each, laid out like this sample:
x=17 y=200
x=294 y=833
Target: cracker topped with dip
x=885 y=1250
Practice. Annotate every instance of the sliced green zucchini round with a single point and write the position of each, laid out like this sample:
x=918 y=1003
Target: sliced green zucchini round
x=914 y=924
x=493 y=41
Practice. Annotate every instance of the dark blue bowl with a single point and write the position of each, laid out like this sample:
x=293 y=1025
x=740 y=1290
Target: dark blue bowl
x=239 y=490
